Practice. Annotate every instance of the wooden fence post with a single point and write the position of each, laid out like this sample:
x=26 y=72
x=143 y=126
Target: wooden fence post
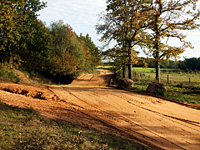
x=167 y=79
x=139 y=77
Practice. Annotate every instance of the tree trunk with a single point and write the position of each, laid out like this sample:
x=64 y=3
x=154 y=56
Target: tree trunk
x=130 y=76
x=124 y=70
x=157 y=67
x=130 y=71
x=157 y=41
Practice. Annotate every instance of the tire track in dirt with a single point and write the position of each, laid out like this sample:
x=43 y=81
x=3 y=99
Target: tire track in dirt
x=194 y=123
x=107 y=115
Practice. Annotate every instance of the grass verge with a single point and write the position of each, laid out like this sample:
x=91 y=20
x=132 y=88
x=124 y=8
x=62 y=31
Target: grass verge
x=27 y=129
x=178 y=88
x=185 y=93
x=106 y=67
x=174 y=93
x=6 y=74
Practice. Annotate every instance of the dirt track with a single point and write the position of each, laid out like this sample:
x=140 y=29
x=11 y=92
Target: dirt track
x=89 y=102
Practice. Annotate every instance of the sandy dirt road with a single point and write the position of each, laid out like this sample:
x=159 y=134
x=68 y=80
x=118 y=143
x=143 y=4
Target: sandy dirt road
x=89 y=102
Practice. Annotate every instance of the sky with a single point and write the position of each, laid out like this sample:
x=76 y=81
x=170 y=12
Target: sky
x=83 y=15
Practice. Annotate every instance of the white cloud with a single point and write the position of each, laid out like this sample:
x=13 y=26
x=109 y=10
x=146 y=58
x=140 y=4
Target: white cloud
x=193 y=37
x=73 y=12
x=82 y=15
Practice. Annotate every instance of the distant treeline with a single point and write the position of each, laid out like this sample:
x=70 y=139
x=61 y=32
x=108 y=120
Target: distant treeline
x=56 y=52
x=188 y=64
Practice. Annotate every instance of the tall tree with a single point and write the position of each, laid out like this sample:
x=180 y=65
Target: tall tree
x=38 y=48
x=125 y=22
x=91 y=52
x=16 y=20
x=168 y=18
x=66 y=45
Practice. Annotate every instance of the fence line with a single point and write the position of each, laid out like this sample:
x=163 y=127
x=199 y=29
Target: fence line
x=166 y=78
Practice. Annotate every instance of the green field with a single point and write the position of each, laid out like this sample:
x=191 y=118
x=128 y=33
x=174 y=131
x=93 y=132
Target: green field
x=174 y=76
x=181 y=86
x=104 y=67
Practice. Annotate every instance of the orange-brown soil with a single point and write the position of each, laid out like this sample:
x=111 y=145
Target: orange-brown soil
x=89 y=102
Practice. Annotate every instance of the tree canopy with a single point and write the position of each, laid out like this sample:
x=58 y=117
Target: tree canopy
x=148 y=24
x=125 y=22
x=16 y=31
x=167 y=19
x=56 y=52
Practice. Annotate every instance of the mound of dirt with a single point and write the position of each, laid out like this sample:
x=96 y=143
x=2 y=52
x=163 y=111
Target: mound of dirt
x=38 y=92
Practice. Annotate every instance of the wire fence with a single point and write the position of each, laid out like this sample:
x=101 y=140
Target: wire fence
x=172 y=78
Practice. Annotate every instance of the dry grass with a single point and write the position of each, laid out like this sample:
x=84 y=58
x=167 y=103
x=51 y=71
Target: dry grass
x=26 y=129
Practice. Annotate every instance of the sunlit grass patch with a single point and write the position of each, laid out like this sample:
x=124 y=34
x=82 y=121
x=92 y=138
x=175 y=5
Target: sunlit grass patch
x=181 y=86
x=26 y=129
x=104 y=67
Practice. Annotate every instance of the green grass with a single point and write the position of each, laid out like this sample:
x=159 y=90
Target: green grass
x=26 y=129
x=6 y=74
x=141 y=69
x=150 y=70
x=105 y=67
x=178 y=87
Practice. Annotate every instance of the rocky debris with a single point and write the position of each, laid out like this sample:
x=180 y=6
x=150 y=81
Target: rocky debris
x=125 y=83
x=156 y=88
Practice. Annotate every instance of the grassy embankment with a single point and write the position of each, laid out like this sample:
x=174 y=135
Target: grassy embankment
x=26 y=129
x=8 y=74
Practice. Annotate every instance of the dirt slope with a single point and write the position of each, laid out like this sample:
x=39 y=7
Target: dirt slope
x=89 y=102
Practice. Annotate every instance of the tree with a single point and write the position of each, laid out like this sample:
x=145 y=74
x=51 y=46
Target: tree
x=190 y=64
x=38 y=48
x=65 y=46
x=125 y=22
x=168 y=18
x=91 y=52
x=16 y=20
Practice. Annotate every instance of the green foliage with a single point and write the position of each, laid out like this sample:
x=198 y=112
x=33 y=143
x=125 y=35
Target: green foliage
x=124 y=22
x=91 y=52
x=190 y=64
x=6 y=74
x=167 y=19
x=26 y=129
x=67 y=52
x=38 y=48
x=15 y=27
x=148 y=24
x=26 y=43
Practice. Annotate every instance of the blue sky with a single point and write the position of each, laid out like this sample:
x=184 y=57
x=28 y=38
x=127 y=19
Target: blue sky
x=82 y=16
